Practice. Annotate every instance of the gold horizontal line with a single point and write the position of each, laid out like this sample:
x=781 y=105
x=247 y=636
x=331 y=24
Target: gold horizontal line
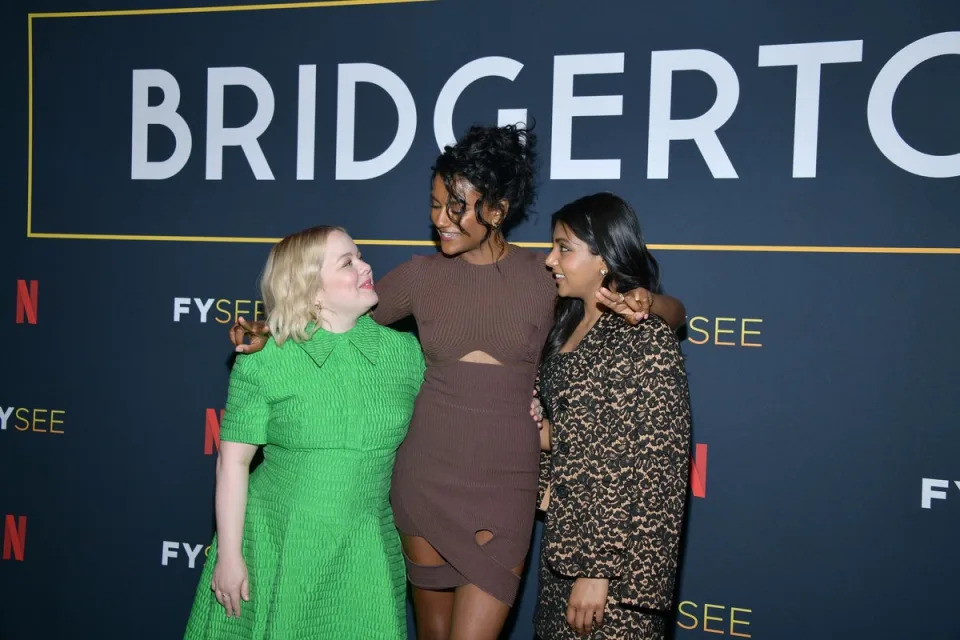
x=224 y=239
x=805 y=249
x=220 y=9
x=756 y=248
x=111 y=236
x=759 y=248
x=397 y=243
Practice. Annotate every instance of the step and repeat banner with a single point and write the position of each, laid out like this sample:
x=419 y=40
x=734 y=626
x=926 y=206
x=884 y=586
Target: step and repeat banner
x=796 y=169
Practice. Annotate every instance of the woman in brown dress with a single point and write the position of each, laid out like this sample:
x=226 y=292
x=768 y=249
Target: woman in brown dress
x=617 y=426
x=465 y=479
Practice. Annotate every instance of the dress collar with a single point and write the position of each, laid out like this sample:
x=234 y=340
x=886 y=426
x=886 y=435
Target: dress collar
x=364 y=337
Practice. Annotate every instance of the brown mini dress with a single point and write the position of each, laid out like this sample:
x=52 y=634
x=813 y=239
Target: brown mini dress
x=470 y=459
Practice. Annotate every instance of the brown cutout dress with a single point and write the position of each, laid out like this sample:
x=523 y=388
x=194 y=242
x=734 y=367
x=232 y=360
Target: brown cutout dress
x=470 y=459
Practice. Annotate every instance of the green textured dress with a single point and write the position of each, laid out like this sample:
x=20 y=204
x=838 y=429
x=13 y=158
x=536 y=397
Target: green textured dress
x=319 y=541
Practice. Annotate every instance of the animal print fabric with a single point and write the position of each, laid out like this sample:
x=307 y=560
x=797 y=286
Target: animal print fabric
x=619 y=623
x=618 y=470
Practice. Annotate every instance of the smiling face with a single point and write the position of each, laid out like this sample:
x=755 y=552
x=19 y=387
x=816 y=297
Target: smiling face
x=575 y=267
x=446 y=212
x=346 y=281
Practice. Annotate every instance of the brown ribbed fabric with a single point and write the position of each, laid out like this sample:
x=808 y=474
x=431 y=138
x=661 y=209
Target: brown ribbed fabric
x=469 y=462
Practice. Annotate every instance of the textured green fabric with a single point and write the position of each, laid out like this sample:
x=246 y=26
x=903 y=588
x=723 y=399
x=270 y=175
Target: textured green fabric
x=319 y=540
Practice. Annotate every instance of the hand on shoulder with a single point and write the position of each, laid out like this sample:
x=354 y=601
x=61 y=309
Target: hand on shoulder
x=257 y=331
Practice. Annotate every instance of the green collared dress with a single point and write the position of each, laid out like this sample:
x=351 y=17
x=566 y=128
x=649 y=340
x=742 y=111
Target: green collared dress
x=321 y=548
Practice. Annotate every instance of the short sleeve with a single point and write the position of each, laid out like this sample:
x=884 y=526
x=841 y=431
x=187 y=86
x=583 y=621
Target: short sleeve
x=395 y=293
x=246 y=413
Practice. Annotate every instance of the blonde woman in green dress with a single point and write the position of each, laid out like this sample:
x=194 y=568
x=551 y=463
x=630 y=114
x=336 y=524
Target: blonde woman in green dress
x=306 y=545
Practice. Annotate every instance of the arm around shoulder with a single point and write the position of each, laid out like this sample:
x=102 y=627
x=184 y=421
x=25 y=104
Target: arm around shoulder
x=395 y=291
x=670 y=309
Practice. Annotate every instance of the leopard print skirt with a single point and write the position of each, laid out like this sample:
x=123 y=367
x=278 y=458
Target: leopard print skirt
x=619 y=623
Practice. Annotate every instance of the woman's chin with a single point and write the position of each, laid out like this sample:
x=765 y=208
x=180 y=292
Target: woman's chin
x=450 y=249
x=565 y=292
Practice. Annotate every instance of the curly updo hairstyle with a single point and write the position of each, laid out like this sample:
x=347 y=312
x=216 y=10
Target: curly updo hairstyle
x=499 y=163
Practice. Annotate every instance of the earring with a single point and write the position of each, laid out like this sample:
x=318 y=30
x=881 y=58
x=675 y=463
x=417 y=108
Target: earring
x=603 y=272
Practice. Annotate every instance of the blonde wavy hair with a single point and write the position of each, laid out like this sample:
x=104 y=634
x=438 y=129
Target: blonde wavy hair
x=291 y=279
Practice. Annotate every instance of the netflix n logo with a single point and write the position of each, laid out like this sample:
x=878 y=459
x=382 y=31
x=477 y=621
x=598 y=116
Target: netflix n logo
x=27 y=302
x=698 y=471
x=211 y=432
x=14 y=537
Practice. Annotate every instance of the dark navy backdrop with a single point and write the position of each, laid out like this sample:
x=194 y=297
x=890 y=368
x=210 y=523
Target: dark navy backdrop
x=830 y=503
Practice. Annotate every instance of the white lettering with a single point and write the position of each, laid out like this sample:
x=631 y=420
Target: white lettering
x=880 y=107
x=930 y=490
x=702 y=129
x=169 y=552
x=245 y=137
x=808 y=58
x=192 y=553
x=567 y=106
x=306 y=121
x=348 y=76
x=181 y=306
x=492 y=66
x=204 y=308
x=164 y=114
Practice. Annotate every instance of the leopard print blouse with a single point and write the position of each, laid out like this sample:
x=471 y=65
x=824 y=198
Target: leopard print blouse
x=619 y=465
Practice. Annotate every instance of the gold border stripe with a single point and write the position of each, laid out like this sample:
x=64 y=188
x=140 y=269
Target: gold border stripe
x=29 y=125
x=805 y=249
x=145 y=12
x=742 y=248
x=395 y=243
x=220 y=9
x=111 y=236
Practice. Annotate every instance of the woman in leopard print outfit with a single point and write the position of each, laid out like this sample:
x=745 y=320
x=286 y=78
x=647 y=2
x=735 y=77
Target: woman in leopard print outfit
x=617 y=429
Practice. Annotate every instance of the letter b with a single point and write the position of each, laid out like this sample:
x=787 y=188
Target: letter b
x=164 y=114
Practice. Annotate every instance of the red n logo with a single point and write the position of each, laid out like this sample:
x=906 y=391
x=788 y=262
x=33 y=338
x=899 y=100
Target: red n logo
x=211 y=437
x=26 y=302
x=698 y=472
x=14 y=537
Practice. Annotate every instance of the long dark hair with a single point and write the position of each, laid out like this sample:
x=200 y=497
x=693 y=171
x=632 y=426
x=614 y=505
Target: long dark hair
x=499 y=163
x=609 y=227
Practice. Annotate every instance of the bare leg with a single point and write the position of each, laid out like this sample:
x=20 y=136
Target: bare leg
x=477 y=615
x=434 y=609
